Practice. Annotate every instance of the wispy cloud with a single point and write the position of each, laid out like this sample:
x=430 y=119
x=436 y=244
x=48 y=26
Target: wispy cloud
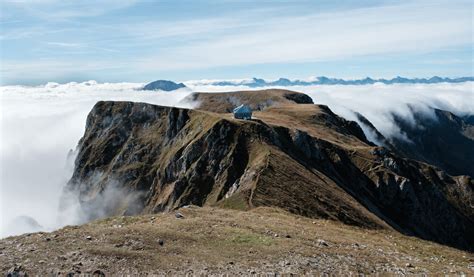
x=381 y=30
x=67 y=9
x=64 y=44
x=153 y=45
x=79 y=46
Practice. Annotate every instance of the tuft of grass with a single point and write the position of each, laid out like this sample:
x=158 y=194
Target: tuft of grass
x=110 y=252
x=251 y=239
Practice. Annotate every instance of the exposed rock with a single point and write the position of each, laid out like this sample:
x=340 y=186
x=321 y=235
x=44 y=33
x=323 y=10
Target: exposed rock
x=98 y=273
x=299 y=98
x=379 y=151
x=17 y=271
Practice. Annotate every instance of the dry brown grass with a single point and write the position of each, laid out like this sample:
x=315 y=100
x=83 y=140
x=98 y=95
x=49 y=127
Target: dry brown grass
x=213 y=240
x=225 y=102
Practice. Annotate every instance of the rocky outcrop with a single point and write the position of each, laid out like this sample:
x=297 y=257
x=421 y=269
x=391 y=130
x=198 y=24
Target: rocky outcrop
x=302 y=158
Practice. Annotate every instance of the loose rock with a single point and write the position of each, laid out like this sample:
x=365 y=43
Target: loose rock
x=16 y=271
x=322 y=243
x=98 y=273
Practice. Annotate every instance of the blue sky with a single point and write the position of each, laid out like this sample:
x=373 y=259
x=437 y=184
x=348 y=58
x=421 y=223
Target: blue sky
x=144 y=40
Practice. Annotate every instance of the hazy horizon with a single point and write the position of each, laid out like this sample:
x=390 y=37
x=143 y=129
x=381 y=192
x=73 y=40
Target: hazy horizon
x=207 y=80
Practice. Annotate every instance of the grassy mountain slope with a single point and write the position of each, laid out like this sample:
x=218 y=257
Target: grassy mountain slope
x=213 y=241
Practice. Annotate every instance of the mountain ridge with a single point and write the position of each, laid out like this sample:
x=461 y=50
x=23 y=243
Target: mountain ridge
x=299 y=157
x=323 y=80
x=436 y=137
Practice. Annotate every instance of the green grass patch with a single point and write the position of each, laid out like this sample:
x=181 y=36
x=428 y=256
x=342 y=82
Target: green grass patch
x=236 y=202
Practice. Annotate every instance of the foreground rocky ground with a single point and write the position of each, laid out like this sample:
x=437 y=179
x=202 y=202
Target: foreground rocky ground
x=202 y=241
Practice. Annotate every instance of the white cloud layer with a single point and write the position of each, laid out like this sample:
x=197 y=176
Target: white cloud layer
x=39 y=125
x=378 y=102
x=328 y=36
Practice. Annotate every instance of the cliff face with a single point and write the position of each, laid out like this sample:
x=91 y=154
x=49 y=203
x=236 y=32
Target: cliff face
x=444 y=140
x=441 y=139
x=302 y=158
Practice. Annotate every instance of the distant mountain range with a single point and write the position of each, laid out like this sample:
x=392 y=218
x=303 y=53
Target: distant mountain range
x=256 y=82
x=166 y=85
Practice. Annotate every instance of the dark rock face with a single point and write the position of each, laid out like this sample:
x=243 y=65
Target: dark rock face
x=299 y=98
x=163 y=85
x=469 y=119
x=445 y=140
x=171 y=157
x=156 y=151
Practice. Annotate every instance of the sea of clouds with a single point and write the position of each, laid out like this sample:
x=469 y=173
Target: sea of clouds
x=39 y=125
x=379 y=102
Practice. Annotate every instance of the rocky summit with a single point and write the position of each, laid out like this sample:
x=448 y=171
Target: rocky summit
x=294 y=158
x=163 y=85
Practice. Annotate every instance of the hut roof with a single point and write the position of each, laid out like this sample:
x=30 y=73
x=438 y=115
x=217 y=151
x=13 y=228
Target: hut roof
x=243 y=109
